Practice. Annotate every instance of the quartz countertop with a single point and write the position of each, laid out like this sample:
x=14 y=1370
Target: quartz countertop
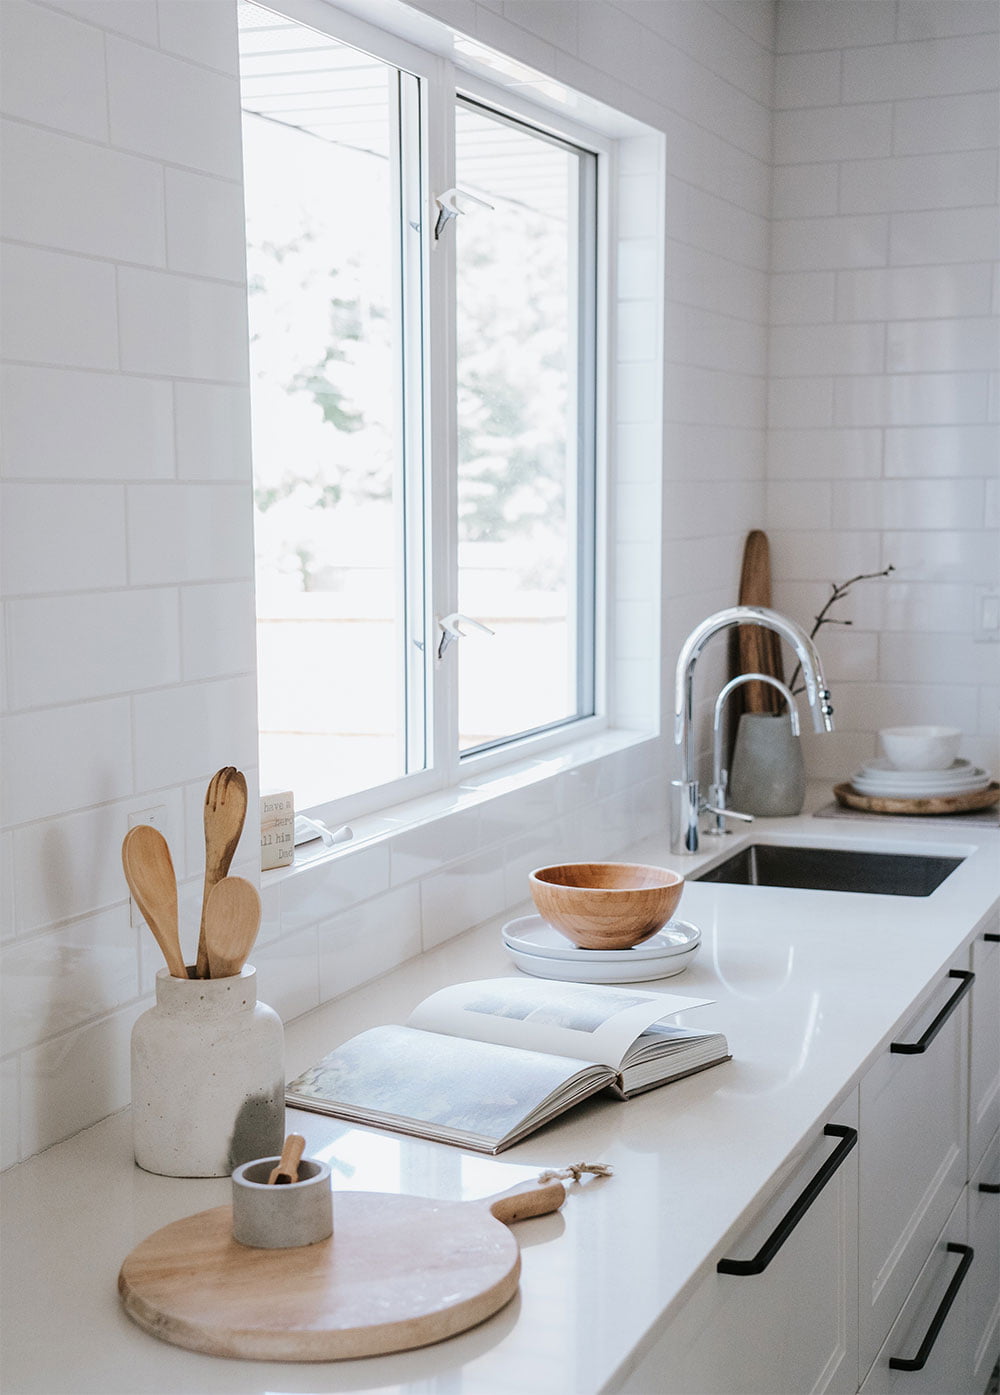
x=808 y=987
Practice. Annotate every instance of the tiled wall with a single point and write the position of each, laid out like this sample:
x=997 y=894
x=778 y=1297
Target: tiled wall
x=883 y=444
x=127 y=557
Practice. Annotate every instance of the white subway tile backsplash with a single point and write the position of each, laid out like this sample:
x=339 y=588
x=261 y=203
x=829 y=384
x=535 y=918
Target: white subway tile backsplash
x=799 y=402
x=919 y=19
x=803 y=297
x=945 y=236
x=946 y=555
x=288 y=973
x=968 y=345
x=808 y=80
x=52 y=70
x=821 y=350
x=57 y=309
x=906 y=657
x=51 y=983
x=75 y=196
x=189 y=532
x=805 y=191
x=905 y=504
x=833 y=133
x=914 y=292
x=212 y=426
x=202 y=30
x=825 y=454
x=217 y=630
x=177 y=326
x=210 y=724
x=199 y=126
x=793 y=504
x=945 y=123
x=459 y=896
x=70 y=648
x=923 y=68
x=205 y=225
x=78 y=425
x=368 y=940
x=804 y=25
x=830 y=244
x=62 y=537
x=942 y=450
x=959 y=179
x=911 y=399
x=87 y=751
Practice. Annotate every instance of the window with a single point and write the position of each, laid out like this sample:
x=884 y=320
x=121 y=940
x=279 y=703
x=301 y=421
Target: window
x=424 y=383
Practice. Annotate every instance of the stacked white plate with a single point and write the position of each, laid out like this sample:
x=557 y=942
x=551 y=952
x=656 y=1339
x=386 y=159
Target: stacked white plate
x=538 y=948
x=882 y=780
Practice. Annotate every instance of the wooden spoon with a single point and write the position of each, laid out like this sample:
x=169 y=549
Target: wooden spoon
x=225 y=812
x=232 y=919
x=149 y=872
x=287 y=1170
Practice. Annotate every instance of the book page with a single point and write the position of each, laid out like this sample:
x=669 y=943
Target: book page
x=591 y=1022
x=468 y=1088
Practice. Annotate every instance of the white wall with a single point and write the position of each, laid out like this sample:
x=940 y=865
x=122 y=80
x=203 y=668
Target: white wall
x=883 y=444
x=127 y=558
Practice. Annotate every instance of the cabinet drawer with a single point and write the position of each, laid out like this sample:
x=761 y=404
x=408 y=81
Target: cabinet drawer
x=984 y=1059
x=926 y=1352
x=984 y=1289
x=792 y=1326
x=913 y=1152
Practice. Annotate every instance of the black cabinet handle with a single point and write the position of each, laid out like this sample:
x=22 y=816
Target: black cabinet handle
x=989 y=935
x=992 y=1187
x=848 y=1137
x=914 y=1048
x=918 y=1362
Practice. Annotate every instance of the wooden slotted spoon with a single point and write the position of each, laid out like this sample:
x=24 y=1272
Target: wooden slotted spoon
x=149 y=872
x=232 y=919
x=225 y=812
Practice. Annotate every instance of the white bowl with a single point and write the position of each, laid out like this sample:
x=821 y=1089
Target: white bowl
x=920 y=748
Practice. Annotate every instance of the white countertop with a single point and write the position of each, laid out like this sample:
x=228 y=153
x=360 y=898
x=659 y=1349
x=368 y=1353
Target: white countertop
x=808 y=987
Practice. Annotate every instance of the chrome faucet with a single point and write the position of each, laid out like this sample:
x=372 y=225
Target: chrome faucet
x=685 y=824
x=717 y=790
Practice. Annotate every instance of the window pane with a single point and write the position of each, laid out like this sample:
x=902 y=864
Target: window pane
x=525 y=428
x=325 y=248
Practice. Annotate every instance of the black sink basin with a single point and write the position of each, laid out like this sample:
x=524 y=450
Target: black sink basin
x=832 y=869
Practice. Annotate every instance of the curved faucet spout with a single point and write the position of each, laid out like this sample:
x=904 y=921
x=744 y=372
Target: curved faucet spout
x=817 y=694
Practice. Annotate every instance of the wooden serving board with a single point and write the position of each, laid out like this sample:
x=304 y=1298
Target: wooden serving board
x=940 y=804
x=398 y=1272
x=759 y=650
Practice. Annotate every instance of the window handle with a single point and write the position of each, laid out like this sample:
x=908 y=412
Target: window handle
x=450 y=627
x=449 y=207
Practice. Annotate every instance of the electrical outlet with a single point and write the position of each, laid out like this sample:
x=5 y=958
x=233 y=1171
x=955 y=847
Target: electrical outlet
x=987 y=630
x=156 y=818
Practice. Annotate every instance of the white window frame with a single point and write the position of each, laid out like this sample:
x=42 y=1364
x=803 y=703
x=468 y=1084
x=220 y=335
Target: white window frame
x=442 y=82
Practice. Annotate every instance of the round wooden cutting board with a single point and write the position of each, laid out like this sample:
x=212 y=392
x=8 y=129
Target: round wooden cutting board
x=941 y=804
x=398 y=1272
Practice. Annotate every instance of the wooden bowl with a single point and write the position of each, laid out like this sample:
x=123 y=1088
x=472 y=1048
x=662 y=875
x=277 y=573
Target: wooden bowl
x=606 y=905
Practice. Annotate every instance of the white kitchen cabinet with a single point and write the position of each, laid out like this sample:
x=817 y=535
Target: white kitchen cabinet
x=984 y=1056
x=913 y=1156
x=789 y=1323
x=926 y=1351
x=983 y=1342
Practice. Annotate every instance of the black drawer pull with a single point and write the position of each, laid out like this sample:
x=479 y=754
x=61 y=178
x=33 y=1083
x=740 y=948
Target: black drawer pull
x=914 y=1048
x=918 y=1362
x=989 y=935
x=848 y=1137
x=991 y=1187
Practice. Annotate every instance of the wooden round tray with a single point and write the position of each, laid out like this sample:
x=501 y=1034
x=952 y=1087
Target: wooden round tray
x=940 y=804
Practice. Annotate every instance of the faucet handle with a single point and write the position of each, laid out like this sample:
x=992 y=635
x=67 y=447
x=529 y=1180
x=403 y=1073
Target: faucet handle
x=725 y=813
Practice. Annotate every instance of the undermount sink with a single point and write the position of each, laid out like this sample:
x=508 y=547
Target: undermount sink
x=832 y=869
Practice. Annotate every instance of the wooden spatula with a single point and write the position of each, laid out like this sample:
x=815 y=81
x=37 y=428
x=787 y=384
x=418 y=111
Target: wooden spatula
x=232 y=919
x=225 y=813
x=149 y=872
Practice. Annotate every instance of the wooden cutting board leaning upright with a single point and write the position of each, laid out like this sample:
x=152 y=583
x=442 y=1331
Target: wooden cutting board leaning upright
x=757 y=650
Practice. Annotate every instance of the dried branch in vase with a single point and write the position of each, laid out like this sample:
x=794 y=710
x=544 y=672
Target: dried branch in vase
x=838 y=592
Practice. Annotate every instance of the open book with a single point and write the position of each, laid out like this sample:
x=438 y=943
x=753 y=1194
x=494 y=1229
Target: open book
x=484 y=1064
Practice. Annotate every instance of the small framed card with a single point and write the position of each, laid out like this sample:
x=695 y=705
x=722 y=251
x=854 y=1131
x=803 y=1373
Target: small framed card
x=277 y=830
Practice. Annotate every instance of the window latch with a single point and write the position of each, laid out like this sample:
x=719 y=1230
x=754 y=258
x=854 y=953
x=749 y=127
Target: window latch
x=449 y=207
x=450 y=627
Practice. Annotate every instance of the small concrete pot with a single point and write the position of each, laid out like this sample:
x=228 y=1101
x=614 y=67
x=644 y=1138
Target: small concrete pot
x=768 y=776
x=282 y=1216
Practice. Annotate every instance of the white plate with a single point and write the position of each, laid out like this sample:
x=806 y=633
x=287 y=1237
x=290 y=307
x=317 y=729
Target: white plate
x=590 y=971
x=920 y=791
x=530 y=934
x=883 y=770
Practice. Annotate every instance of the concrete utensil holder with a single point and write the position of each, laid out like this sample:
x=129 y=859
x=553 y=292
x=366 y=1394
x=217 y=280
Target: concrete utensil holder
x=282 y=1217
x=208 y=1077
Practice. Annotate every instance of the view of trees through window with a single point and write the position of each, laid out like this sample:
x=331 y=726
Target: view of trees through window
x=335 y=582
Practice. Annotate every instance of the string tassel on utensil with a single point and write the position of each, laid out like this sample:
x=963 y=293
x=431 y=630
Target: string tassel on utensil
x=575 y=1171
